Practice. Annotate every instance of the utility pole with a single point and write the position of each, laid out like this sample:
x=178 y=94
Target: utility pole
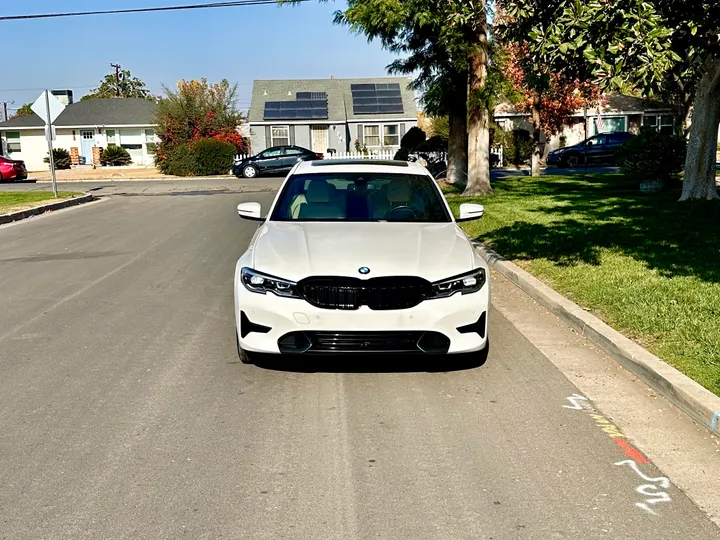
x=117 y=79
x=5 y=108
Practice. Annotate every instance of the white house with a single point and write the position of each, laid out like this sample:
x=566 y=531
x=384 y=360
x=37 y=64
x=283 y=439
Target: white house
x=82 y=127
x=618 y=113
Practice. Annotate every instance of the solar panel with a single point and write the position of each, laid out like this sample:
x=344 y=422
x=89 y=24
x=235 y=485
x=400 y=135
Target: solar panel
x=296 y=110
x=384 y=98
x=311 y=96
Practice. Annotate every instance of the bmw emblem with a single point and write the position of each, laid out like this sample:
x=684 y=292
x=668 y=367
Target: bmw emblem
x=364 y=270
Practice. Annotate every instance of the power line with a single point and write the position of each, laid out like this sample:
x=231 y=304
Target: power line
x=209 y=5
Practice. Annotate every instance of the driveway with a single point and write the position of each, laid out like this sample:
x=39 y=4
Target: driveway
x=124 y=412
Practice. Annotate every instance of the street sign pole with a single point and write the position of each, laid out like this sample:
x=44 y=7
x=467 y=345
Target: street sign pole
x=50 y=144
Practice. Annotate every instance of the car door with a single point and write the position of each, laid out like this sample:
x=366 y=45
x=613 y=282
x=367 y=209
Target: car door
x=270 y=160
x=615 y=141
x=291 y=155
x=595 y=148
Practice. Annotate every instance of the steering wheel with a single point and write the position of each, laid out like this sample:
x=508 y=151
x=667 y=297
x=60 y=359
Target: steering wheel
x=406 y=209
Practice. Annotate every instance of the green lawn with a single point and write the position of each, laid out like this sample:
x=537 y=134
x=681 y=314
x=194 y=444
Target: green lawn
x=646 y=264
x=11 y=201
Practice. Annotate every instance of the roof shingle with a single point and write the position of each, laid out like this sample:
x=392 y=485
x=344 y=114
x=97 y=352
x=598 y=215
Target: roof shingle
x=94 y=112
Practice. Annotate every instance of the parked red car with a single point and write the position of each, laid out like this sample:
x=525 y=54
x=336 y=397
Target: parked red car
x=11 y=169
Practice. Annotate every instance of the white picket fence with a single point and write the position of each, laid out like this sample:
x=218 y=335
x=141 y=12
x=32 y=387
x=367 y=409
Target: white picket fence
x=385 y=155
x=378 y=154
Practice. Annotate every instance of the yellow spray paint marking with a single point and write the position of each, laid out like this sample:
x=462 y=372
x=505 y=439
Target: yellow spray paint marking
x=607 y=426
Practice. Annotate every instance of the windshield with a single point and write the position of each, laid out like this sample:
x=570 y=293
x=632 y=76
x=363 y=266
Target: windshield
x=404 y=198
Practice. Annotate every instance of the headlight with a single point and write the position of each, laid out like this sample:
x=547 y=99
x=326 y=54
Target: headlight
x=468 y=283
x=260 y=283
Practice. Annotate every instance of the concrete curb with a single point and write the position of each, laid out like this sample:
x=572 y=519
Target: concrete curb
x=132 y=179
x=699 y=403
x=24 y=214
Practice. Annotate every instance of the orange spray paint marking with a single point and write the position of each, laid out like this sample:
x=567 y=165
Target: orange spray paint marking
x=630 y=451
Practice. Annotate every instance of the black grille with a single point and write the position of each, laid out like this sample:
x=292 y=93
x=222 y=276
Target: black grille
x=379 y=294
x=363 y=342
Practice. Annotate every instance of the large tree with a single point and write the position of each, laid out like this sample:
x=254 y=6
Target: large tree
x=198 y=110
x=122 y=85
x=457 y=28
x=658 y=46
x=442 y=78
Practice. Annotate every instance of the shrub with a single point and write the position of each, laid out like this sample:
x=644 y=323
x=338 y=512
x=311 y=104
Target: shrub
x=115 y=156
x=213 y=157
x=652 y=155
x=517 y=144
x=413 y=138
x=179 y=161
x=61 y=158
x=206 y=157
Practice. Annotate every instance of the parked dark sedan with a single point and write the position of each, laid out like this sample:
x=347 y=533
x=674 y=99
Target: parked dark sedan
x=598 y=149
x=276 y=160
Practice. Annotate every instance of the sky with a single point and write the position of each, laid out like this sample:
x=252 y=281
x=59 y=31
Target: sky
x=239 y=44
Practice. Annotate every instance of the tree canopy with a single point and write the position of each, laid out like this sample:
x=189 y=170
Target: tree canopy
x=127 y=87
x=199 y=110
x=446 y=44
x=25 y=110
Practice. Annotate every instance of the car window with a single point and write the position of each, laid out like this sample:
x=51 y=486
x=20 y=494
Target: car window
x=271 y=152
x=291 y=151
x=619 y=137
x=598 y=140
x=361 y=197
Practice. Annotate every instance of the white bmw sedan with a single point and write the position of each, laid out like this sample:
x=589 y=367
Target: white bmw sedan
x=360 y=257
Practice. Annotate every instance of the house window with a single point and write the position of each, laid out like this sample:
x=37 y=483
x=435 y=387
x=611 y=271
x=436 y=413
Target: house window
x=609 y=124
x=111 y=136
x=391 y=135
x=372 y=136
x=664 y=123
x=280 y=136
x=150 y=136
x=13 y=142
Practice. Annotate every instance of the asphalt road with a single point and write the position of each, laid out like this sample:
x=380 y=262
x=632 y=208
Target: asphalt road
x=124 y=412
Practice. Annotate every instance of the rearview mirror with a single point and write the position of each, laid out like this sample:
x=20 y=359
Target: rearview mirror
x=251 y=211
x=470 y=212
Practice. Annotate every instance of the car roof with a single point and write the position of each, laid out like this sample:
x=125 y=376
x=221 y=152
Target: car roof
x=331 y=166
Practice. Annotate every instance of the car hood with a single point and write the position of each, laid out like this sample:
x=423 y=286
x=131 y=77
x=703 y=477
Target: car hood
x=295 y=251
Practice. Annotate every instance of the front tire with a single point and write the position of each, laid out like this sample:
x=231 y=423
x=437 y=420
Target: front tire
x=573 y=160
x=244 y=356
x=249 y=171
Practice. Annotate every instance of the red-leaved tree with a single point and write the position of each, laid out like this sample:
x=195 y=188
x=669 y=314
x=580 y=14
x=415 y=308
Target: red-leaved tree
x=550 y=99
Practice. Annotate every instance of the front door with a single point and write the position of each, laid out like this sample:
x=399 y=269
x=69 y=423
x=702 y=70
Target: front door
x=319 y=139
x=87 y=141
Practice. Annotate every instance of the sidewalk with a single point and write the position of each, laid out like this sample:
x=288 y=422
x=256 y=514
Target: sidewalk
x=105 y=174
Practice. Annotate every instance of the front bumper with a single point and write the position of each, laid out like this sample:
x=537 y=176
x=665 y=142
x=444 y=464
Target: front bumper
x=273 y=325
x=554 y=159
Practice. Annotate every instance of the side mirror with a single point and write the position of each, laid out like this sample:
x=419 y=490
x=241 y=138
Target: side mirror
x=470 y=212
x=251 y=211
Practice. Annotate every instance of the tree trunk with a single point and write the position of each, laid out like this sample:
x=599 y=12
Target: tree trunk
x=478 y=132
x=458 y=139
x=699 y=182
x=537 y=146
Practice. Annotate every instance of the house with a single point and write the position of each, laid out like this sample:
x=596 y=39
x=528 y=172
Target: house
x=331 y=115
x=84 y=129
x=617 y=113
